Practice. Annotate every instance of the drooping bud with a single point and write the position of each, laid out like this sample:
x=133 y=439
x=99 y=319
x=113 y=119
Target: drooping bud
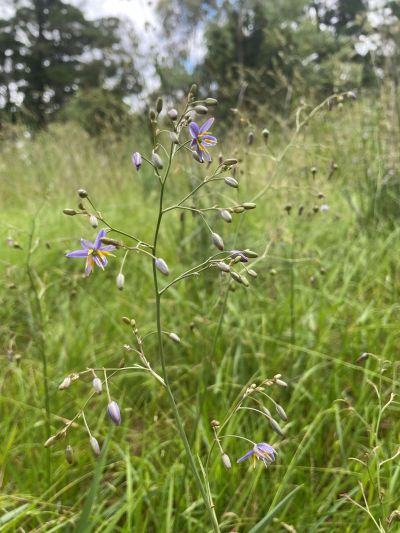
x=152 y=115
x=236 y=277
x=70 y=212
x=250 y=138
x=137 y=160
x=211 y=101
x=252 y=273
x=50 y=441
x=114 y=413
x=249 y=205
x=69 y=454
x=82 y=193
x=230 y=162
x=159 y=104
x=232 y=182
x=363 y=357
x=95 y=446
x=173 y=114
x=162 y=266
x=120 y=281
x=174 y=137
x=97 y=385
x=226 y=215
x=201 y=109
x=93 y=221
x=226 y=461
x=174 y=337
x=223 y=266
x=193 y=91
x=276 y=427
x=281 y=412
x=157 y=161
x=217 y=241
x=239 y=209
x=220 y=158
x=196 y=156
x=65 y=383
x=250 y=253
x=265 y=133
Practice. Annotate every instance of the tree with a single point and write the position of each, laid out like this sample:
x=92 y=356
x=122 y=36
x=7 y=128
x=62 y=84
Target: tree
x=49 y=50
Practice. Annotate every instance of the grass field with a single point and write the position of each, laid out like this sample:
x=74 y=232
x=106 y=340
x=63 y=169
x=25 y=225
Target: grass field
x=326 y=292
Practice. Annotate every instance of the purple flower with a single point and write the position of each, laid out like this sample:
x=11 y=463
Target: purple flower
x=262 y=451
x=137 y=160
x=201 y=139
x=114 y=413
x=94 y=252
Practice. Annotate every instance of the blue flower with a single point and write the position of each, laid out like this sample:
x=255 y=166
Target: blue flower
x=95 y=252
x=262 y=451
x=201 y=139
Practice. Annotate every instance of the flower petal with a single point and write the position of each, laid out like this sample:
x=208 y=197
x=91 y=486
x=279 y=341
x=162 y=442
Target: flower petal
x=86 y=244
x=209 y=139
x=206 y=155
x=194 y=129
x=77 y=253
x=107 y=248
x=98 y=262
x=207 y=125
x=97 y=243
x=246 y=456
x=89 y=265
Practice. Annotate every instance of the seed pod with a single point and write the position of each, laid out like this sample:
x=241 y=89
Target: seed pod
x=173 y=137
x=230 y=162
x=223 y=266
x=82 y=193
x=162 y=266
x=249 y=205
x=120 y=281
x=217 y=241
x=226 y=461
x=201 y=109
x=250 y=253
x=232 y=182
x=114 y=413
x=69 y=454
x=281 y=412
x=65 y=383
x=276 y=427
x=211 y=101
x=173 y=114
x=174 y=337
x=250 y=138
x=226 y=215
x=236 y=277
x=95 y=446
x=252 y=273
x=97 y=385
x=156 y=160
x=70 y=212
x=93 y=221
x=137 y=160
x=159 y=104
x=238 y=209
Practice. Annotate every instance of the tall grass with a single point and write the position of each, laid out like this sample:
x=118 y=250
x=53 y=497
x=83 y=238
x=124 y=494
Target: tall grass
x=327 y=290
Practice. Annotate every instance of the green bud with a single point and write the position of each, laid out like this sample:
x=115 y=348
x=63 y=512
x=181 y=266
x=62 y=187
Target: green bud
x=82 y=193
x=281 y=412
x=226 y=215
x=69 y=454
x=265 y=133
x=249 y=205
x=159 y=104
x=211 y=101
x=252 y=273
x=238 y=209
x=217 y=241
x=70 y=212
x=232 y=182
x=230 y=162
x=152 y=115
x=201 y=109
x=236 y=277
x=250 y=254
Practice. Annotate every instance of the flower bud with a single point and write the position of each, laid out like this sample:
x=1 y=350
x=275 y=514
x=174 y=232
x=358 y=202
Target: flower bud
x=226 y=461
x=95 y=446
x=232 y=182
x=196 y=156
x=93 y=221
x=201 y=109
x=120 y=281
x=173 y=137
x=250 y=138
x=223 y=266
x=250 y=253
x=265 y=133
x=82 y=193
x=159 y=104
x=363 y=357
x=152 y=115
x=226 y=215
x=65 y=383
x=162 y=266
x=211 y=101
x=174 y=337
x=157 y=161
x=137 y=160
x=230 y=162
x=114 y=413
x=281 y=412
x=220 y=158
x=217 y=241
x=252 y=273
x=50 y=441
x=324 y=208
x=173 y=114
x=276 y=427
x=313 y=171
x=249 y=205
x=97 y=385
x=240 y=256
x=193 y=91
x=239 y=209
x=236 y=277
x=69 y=454
x=69 y=212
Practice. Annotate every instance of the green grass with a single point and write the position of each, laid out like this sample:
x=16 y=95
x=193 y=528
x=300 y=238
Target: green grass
x=327 y=290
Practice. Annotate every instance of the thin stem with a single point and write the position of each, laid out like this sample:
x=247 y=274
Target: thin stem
x=178 y=420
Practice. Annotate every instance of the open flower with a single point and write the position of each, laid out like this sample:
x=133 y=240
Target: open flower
x=95 y=252
x=262 y=451
x=201 y=139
